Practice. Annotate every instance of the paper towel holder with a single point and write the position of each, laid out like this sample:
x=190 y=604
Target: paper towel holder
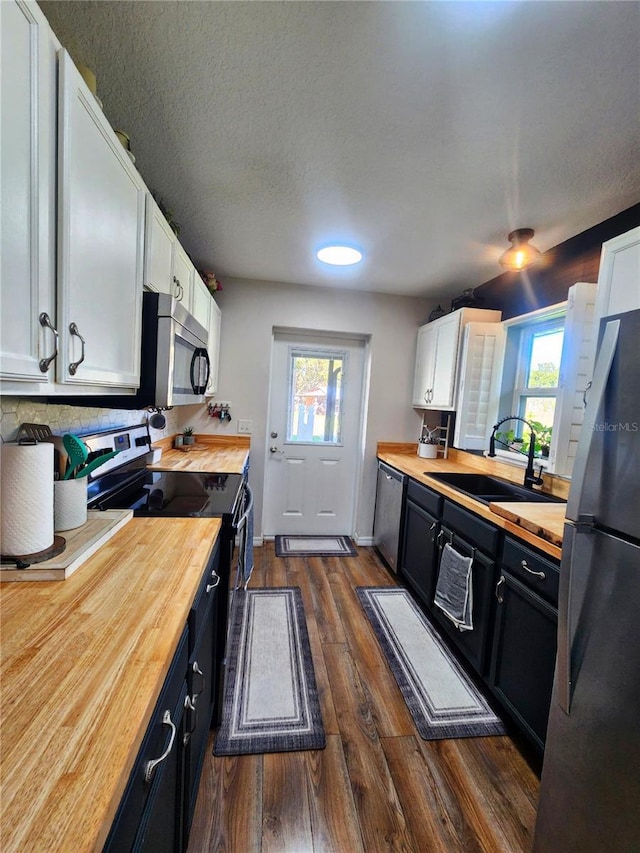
x=23 y=561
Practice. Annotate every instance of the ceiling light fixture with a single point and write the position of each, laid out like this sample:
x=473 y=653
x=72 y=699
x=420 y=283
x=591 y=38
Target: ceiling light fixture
x=520 y=255
x=341 y=256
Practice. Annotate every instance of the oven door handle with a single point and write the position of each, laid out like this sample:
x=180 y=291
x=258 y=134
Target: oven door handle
x=198 y=354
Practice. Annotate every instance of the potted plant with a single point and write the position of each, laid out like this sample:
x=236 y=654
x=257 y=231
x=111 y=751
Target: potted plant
x=543 y=438
x=188 y=436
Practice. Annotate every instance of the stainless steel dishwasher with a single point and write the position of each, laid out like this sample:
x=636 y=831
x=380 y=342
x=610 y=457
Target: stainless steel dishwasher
x=388 y=515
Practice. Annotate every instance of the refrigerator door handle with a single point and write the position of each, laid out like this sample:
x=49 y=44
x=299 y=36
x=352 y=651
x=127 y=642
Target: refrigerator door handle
x=582 y=496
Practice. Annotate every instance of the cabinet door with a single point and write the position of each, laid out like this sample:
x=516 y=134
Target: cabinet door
x=425 y=354
x=182 y=276
x=200 y=300
x=158 y=250
x=445 y=362
x=619 y=275
x=200 y=681
x=27 y=255
x=419 y=564
x=472 y=644
x=524 y=654
x=213 y=346
x=101 y=241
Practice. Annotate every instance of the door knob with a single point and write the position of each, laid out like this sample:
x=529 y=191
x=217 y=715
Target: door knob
x=274 y=435
x=273 y=450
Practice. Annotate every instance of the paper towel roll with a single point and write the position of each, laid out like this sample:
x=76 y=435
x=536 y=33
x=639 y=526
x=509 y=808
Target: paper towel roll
x=26 y=491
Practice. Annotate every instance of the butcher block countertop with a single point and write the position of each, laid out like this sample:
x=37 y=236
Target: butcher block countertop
x=82 y=665
x=526 y=521
x=211 y=453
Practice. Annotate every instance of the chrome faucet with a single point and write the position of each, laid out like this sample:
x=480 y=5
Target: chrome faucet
x=530 y=480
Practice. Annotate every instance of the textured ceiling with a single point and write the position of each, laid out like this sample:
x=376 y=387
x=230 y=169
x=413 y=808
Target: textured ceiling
x=423 y=132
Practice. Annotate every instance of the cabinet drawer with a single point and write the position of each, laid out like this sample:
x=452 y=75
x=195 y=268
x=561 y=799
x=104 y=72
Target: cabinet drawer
x=479 y=533
x=425 y=498
x=537 y=572
x=205 y=595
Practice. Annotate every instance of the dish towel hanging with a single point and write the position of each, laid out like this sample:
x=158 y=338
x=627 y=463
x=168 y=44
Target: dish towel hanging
x=454 y=590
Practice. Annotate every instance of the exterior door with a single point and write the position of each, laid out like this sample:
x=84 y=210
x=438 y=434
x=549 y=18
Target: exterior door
x=313 y=448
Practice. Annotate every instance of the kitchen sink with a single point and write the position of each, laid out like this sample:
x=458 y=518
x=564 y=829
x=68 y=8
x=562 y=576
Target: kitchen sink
x=487 y=489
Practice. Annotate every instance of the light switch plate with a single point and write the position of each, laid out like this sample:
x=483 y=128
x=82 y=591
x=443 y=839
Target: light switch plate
x=245 y=425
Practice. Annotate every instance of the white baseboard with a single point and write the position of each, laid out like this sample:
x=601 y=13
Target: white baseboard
x=365 y=541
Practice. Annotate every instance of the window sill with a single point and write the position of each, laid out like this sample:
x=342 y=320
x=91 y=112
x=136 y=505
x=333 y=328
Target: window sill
x=517 y=459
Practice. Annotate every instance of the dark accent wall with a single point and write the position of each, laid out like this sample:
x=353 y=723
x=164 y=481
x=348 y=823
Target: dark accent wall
x=577 y=259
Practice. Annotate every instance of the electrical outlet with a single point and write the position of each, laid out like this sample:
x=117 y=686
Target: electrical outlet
x=222 y=404
x=245 y=425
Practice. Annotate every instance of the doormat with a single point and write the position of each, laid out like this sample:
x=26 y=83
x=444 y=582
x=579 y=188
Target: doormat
x=315 y=546
x=442 y=699
x=271 y=699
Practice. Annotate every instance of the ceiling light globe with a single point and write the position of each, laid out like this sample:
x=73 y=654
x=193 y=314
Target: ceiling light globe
x=341 y=256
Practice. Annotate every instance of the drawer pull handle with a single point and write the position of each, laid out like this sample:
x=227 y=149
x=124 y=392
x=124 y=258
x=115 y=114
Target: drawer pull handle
x=214 y=577
x=197 y=671
x=45 y=322
x=540 y=575
x=499 y=593
x=150 y=766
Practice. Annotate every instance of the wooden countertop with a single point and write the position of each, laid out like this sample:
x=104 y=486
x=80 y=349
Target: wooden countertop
x=542 y=531
x=82 y=664
x=224 y=455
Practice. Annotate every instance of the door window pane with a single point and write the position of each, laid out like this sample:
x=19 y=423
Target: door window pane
x=315 y=397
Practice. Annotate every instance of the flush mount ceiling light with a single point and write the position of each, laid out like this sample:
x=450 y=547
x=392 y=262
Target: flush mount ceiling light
x=521 y=255
x=340 y=256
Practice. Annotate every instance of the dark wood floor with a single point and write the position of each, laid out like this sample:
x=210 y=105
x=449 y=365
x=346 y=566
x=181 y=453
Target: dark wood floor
x=377 y=786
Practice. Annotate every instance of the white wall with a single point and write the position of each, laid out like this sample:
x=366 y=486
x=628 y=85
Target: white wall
x=251 y=309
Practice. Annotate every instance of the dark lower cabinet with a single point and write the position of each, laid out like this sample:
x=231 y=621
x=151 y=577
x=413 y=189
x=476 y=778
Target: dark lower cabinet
x=151 y=806
x=157 y=807
x=418 y=565
x=523 y=655
x=199 y=711
x=473 y=645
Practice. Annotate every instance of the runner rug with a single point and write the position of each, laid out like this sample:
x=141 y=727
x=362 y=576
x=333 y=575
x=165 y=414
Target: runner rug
x=443 y=701
x=271 y=698
x=314 y=546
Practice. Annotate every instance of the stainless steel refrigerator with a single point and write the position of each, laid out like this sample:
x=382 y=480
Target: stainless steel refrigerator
x=590 y=786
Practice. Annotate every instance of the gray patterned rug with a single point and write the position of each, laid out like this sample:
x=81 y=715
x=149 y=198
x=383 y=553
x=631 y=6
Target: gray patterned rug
x=271 y=698
x=314 y=546
x=443 y=701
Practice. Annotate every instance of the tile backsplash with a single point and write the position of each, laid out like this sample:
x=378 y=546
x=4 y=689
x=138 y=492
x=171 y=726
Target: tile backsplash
x=77 y=419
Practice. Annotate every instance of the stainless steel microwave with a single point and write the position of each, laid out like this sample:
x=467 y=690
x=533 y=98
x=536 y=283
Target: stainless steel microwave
x=174 y=370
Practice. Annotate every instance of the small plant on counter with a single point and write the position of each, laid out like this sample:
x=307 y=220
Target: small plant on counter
x=188 y=437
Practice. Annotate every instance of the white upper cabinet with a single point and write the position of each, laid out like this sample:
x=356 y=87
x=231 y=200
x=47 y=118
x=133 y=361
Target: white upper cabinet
x=438 y=356
x=182 y=276
x=101 y=200
x=201 y=300
x=619 y=275
x=158 y=250
x=27 y=254
x=213 y=347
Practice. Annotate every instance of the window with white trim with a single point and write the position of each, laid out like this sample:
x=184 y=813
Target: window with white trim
x=531 y=378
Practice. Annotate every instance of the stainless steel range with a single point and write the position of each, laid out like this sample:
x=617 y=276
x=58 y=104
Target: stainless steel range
x=124 y=482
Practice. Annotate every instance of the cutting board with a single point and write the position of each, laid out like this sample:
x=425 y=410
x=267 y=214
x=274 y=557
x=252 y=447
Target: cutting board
x=82 y=542
x=544 y=520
